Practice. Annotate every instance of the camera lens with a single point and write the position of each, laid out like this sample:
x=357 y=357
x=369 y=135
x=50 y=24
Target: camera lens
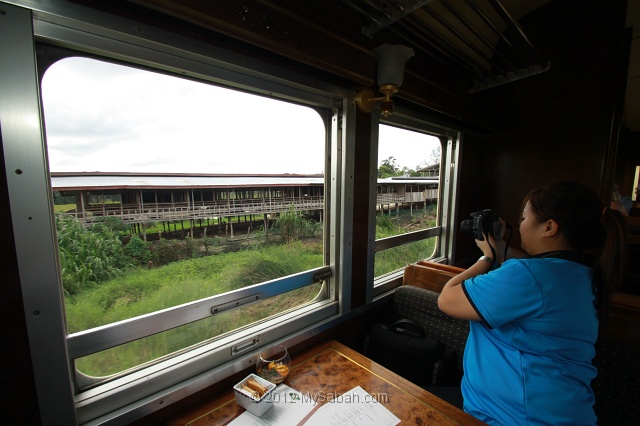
x=466 y=228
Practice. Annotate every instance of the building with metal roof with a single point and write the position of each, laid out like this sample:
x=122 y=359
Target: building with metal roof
x=159 y=197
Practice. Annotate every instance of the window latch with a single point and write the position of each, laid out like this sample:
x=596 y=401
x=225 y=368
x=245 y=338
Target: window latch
x=322 y=275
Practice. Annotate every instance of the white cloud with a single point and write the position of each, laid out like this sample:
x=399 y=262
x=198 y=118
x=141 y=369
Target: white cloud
x=106 y=117
x=410 y=149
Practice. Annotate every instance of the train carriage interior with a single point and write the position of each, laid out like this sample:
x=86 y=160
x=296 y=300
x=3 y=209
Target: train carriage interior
x=517 y=93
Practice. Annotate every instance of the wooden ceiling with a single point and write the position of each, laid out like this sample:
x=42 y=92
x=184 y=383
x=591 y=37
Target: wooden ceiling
x=480 y=41
x=462 y=46
x=475 y=44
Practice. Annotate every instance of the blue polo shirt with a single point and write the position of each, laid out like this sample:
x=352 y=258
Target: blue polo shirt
x=528 y=362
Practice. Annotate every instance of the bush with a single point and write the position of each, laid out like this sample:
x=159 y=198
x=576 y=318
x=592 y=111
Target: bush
x=191 y=248
x=291 y=225
x=87 y=256
x=212 y=242
x=116 y=223
x=138 y=250
x=385 y=226
x=168 y=251
x=311 y=229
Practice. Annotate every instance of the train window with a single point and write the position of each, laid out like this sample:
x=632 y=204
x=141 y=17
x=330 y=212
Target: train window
x=407 y=199
x=185 y=212
x=181 y=241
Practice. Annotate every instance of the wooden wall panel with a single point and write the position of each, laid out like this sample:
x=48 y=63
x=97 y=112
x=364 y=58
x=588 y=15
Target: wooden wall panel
x=556 y=125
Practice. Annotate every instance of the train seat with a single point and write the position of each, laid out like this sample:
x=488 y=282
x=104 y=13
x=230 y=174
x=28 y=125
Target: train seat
x=421 y=306
x=618 y=383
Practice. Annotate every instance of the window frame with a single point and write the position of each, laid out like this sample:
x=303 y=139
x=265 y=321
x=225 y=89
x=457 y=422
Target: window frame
x=450 y=140
x=126 y=399
x=136 y=394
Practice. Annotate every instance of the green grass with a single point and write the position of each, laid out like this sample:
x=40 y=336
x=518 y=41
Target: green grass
x=62 y=208
x=138 y=352
x=398 y=257
x=148 y=290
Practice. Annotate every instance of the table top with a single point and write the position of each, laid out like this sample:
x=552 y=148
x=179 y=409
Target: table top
x=331 y=369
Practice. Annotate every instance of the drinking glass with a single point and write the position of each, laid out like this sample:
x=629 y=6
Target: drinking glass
x=274 y=364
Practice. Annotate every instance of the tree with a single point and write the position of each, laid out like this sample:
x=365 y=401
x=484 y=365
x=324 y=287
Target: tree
x=59 y=199
x=434 y=159
x=435 y=156
x=410 y=172
x=388 y=168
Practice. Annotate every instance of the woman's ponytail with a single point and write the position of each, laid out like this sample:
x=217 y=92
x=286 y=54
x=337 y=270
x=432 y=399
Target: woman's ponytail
x=588 y=228
x=611 y=261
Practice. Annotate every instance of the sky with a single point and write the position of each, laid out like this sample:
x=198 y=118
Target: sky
x=111 y=118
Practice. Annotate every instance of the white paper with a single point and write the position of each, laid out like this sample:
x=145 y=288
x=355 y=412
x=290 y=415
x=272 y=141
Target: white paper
x=289 y=408
x=354 y=408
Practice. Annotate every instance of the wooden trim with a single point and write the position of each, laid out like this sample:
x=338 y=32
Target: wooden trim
x=429 y=275
x=279 y=31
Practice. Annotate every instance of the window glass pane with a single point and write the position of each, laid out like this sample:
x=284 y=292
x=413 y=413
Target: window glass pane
x=398 y=257
x=139 y=291
x=408 y=181
x=168 y=190
x=130 y=355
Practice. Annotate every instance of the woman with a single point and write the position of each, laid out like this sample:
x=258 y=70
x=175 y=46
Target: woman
x=534 y=320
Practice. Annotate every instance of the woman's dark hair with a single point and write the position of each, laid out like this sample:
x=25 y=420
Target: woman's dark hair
x=589 y=227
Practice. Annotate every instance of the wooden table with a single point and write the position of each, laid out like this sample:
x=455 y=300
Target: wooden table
x=331 y=369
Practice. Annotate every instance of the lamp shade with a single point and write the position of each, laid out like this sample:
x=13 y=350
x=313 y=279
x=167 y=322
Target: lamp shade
x=391 y=61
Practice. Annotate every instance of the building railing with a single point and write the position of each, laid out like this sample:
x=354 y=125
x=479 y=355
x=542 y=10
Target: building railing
x=176 y=211
x=166 y=212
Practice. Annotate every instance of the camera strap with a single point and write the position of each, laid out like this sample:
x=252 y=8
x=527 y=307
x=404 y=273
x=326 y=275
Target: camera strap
x=494 y=256
x=571 y=255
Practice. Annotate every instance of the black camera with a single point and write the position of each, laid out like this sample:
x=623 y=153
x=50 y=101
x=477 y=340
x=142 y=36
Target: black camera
x=481 y=222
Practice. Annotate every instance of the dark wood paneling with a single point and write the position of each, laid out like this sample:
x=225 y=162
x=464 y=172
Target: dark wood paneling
x=556 y=125
x=280 y=30
x=361 y=197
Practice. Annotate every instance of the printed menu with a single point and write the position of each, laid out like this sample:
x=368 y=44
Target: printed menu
x=355 y=408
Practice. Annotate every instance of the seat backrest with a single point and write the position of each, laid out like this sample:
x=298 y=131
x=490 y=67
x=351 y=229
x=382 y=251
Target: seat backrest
x=430 y=275
x=421 y=305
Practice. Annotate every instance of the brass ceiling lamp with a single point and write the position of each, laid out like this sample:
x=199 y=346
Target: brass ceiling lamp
x=391 y=61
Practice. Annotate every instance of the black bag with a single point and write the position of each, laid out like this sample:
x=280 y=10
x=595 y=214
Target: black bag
x=404 y=348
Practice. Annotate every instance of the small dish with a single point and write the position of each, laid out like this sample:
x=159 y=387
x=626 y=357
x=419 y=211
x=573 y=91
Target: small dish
x=254 y=402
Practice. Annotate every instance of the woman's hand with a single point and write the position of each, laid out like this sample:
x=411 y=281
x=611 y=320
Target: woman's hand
x=485 y=245
x=499 y=246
